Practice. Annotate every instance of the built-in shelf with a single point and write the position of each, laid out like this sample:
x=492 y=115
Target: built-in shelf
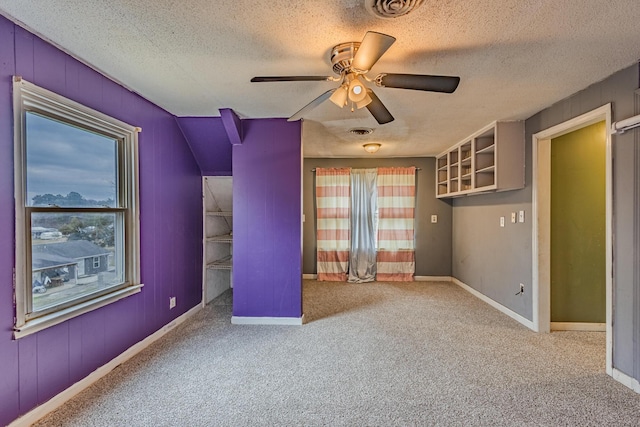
x=491 y=159
x=224 y=238
x=488 y=169
x=218 y=236
x=219 y=213
x=221 y=264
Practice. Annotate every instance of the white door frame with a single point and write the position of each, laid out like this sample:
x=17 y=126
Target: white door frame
x=541 y=205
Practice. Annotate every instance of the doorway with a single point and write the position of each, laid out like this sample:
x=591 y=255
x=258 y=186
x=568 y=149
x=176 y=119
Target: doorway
x=578 y=229
x=542 y=226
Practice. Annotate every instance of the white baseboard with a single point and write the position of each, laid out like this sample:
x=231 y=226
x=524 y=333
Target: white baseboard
x=578 y=326
x=61 y=398
x=287 y=321
x=626 y=380
x=416 y=278
x=432 y=278
x=515 y=316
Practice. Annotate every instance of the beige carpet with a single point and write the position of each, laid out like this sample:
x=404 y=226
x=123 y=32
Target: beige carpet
x=376 y=354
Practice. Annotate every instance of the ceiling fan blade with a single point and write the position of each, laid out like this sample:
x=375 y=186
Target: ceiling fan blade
x=291 y=79
x=446 y=84
x=373 y=46
x=378 y=110
x=310 y=106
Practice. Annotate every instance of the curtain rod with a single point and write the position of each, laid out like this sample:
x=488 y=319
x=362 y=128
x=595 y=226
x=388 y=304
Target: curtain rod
x=314 y=169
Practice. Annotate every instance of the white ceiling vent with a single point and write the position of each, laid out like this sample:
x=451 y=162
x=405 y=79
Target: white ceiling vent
x=360 y=131
x=391 y=8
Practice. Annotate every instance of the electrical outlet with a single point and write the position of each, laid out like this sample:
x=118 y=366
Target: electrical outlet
x=434 y=219
x=521 y=216
x=501 y=221
x=172 y=302
x=513 y=217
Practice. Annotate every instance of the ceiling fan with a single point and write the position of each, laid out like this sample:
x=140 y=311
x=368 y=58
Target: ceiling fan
x=352 y=61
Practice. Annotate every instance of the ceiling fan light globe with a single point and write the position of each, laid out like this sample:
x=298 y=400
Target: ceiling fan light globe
x=366 y=101
x=339 y=97
x=357 y=91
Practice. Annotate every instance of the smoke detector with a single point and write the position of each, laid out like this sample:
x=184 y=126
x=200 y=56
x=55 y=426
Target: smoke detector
x=360 y=131
x=391 y=8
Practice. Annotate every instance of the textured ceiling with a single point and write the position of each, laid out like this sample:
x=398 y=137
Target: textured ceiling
x=193 y=57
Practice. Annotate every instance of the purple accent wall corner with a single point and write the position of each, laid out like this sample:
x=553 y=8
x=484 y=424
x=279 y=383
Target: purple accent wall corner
x=267 y=220
x=209 y=142
x=37 y=367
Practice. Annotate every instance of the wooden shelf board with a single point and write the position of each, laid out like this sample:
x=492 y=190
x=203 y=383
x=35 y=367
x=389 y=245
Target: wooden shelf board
x=487 y=150
x=488 y=169
x=221 y=264
x=224 y=238
x=219 y=213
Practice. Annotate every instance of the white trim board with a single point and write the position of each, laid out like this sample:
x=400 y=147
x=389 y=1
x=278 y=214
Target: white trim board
x=282 y=321
x=69 y=393
x=626 y=380
x=515 y=316
x=578 y=326
x=416 y=278
x=541 y=205
x=432 y=278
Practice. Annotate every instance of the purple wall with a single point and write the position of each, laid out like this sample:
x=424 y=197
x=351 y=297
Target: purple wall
x=267 y=220
x=35 y=368
x=209 y=142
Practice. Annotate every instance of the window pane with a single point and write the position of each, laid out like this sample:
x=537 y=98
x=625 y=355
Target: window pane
x=74 y=255
x=69 y=166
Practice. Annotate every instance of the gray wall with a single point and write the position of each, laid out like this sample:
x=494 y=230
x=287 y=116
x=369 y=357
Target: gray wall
x=433 y=241
x=495 y=260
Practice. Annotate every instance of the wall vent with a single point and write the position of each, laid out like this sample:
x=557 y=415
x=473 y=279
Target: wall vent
x=391 y=8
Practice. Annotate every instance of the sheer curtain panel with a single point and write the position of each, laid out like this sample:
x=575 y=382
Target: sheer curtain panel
x=362 y=259
x=333 y=230
x=396 y=213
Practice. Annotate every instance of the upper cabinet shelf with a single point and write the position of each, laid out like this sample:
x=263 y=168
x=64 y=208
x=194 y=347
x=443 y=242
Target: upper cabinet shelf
x=491 y=159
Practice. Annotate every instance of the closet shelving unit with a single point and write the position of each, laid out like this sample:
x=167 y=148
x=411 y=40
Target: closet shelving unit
x=218 y=236
x=491 y=159
x=223 y=263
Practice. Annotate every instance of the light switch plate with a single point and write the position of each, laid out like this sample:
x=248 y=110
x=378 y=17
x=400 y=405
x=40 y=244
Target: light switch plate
x=513 y=217
x=501 y=221
x=521 y=216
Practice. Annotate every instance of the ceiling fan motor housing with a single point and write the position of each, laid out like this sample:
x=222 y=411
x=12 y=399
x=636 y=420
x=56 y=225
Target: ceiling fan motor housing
x=342 y=56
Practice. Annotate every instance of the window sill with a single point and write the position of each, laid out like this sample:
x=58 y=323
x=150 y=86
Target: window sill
x=49 y=320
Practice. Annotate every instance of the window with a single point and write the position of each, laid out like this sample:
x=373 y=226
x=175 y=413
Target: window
x=76 y=201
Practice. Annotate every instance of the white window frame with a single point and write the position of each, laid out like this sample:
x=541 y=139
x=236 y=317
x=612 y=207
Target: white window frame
x=28 y=97
x=96 y=262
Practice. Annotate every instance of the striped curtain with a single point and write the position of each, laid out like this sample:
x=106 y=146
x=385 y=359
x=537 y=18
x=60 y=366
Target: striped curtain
x=396 y=212
x=333 y=231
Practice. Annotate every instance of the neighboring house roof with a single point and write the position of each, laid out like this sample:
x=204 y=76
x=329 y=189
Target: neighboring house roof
x=42 y=229
x=74 y=249
x=45 y=261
